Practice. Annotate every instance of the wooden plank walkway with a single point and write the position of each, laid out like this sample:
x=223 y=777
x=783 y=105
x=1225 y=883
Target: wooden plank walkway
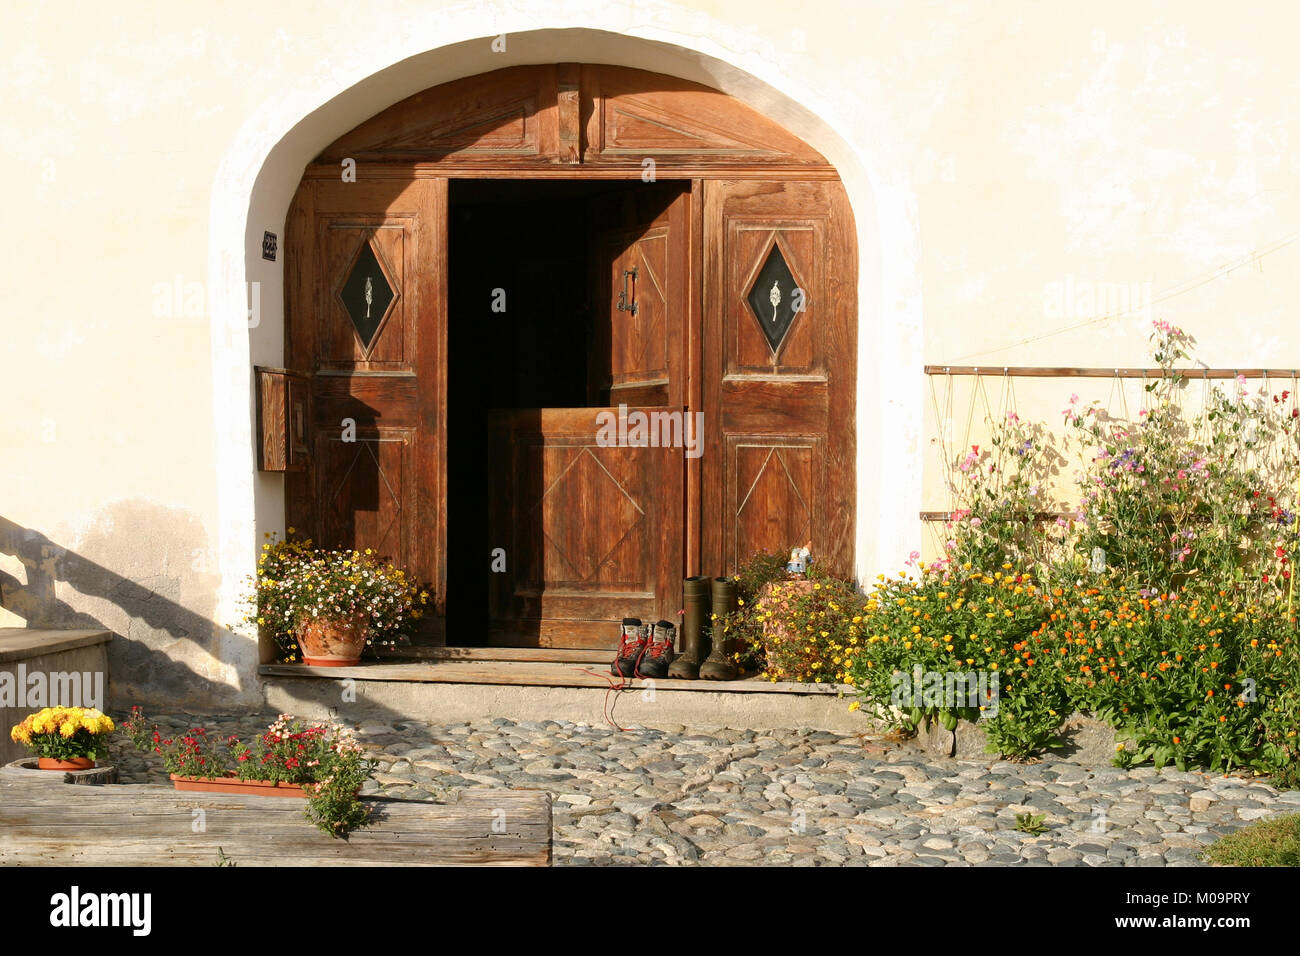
x=54 y=824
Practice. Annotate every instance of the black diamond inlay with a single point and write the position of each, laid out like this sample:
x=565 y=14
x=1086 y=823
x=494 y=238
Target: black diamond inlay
x=366 y=295
x=776 y=298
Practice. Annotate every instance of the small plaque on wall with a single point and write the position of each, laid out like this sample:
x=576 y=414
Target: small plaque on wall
x=282 y=399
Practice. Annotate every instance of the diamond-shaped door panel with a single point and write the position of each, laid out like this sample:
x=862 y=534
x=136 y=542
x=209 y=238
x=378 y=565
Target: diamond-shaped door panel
x=775 y=298
x=366 y=294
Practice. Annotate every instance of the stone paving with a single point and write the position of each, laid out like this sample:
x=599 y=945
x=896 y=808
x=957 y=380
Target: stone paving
x=713 y=797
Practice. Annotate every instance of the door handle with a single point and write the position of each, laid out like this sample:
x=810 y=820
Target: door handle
x=623 y=304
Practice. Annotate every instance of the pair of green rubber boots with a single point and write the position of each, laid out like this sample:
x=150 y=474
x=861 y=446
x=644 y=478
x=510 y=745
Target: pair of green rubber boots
x=705 y=650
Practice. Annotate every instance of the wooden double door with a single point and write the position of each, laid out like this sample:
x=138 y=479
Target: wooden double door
x=684 y=401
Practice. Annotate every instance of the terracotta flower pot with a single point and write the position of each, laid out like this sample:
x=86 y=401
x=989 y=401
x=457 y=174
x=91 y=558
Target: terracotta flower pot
x=333 y=642
x=76 y=763
x=232 y=784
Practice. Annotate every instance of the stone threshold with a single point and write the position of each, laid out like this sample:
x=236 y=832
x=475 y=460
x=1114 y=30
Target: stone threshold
x=487 y=666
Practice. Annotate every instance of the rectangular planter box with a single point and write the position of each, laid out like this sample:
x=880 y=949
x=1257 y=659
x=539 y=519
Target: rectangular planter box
x=257 y=788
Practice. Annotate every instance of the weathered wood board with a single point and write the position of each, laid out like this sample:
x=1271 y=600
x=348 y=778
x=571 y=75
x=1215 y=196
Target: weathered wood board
x=53 y=824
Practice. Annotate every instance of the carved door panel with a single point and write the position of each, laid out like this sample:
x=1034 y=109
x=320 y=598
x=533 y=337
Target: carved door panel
x=592 y=528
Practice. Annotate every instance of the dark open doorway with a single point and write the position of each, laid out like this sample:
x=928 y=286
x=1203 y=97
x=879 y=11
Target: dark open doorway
x=528 y=265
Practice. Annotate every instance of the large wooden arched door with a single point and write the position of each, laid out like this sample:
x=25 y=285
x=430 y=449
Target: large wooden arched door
x=735 y=238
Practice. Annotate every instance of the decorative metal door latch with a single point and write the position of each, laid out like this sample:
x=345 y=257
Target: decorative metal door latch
x=623 y=304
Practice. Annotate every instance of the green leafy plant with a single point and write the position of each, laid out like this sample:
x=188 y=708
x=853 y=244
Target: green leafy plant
x=966 y=627
x=1030 y=823
x=1174 y=498
x=1000 y=490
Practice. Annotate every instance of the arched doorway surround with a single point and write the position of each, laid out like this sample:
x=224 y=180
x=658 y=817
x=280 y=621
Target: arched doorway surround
x=705 y=280
x=260 y=169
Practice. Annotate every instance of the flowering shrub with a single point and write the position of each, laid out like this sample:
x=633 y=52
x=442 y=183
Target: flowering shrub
x=1001 y=490
x=744 y=626
x=1192 y=681
x=333 y=805
x=63 y=733
x=296 y=582
x=802 y=628
x=1173 y=499
x=324 y=758
x=1163 y=604
x=971 y=630
x=1189 y=680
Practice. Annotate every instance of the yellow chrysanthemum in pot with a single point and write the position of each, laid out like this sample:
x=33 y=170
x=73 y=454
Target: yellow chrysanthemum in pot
x=64 y=738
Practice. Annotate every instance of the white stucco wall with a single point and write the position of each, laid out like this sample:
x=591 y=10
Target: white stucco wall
x=993 y=153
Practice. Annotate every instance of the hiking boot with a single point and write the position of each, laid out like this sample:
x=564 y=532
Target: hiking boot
x=632 y=644
x=659 y=652
x=695 y=644
x=718 y=665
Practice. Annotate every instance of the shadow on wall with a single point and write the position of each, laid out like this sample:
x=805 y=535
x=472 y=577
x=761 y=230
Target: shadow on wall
x=162 y=645
x=166 y=652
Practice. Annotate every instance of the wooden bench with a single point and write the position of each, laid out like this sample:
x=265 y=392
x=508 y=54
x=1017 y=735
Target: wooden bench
x=54 y=824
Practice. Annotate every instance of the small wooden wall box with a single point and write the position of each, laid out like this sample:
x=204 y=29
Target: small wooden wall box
x=282 y=416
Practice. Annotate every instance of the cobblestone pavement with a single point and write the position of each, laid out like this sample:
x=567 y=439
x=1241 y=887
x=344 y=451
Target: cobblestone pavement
x=796 y=797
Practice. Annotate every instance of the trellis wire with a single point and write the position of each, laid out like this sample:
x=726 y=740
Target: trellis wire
x=1008 y=401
